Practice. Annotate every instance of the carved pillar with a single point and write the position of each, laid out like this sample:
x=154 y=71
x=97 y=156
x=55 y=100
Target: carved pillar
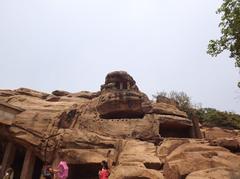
x=128 y=85
x=121 y=85
x=7 y=158
x=197 y=130
x=192 y=132
x=28 y=165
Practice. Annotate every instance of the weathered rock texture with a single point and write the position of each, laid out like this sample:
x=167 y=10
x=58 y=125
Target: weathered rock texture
x=139 y=138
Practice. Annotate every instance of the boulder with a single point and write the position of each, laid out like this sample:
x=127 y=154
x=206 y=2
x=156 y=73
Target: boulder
x=167 y=109
x=191 y=157
x=52 y=98
x=30 y=92
x=169 y=145
x=134 y=172
x=216 y=132
x=134 y=152
x=60 y=93
x=232 y=144
x=7 y=93
x=85 y=94
x=215 y=173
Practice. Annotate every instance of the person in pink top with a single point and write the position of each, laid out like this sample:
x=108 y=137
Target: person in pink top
x=62 y=170
x=104 y=172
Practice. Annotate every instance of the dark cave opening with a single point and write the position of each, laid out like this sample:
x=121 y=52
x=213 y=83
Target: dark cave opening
x=123 y=115
x=17 y=163
x=37 y=168
x=84 y=171
x=2 y=150
x=175 y=130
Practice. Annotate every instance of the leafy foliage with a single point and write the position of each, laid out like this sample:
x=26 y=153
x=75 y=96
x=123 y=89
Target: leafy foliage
x=212 y=117
x=182 y=99
x=230 y=30
x=207 y=116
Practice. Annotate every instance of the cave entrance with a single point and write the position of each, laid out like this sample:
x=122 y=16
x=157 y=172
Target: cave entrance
x=37 y=168
x=17 y=163
x=84 y=171
x=3 y=145
x=175 y=130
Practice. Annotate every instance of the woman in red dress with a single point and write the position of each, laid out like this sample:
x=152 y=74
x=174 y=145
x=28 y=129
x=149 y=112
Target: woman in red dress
x=104 y=172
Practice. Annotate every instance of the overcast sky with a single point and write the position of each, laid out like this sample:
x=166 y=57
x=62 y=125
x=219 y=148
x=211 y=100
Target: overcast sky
x=72 y=45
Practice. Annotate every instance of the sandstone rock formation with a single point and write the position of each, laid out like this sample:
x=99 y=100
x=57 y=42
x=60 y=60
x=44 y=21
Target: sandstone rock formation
x=191 y=157
x=139 y=138
x=215 y=173
x=120 y=97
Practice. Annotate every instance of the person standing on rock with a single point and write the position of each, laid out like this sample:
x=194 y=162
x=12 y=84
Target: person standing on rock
x=104 y=172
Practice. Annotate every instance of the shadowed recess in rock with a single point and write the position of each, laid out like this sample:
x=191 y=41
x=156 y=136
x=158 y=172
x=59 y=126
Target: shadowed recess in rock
x=2 y=149
x=84 y=171
x=18 y=161
x=37 y=168
x=154 y=166
x=122 y=115
x=173 y=130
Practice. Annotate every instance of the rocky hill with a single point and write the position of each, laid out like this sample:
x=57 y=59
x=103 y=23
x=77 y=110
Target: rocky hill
x=139 y=138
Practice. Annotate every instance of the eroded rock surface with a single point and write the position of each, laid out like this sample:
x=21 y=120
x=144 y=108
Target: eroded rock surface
x=215 y=173
x=139 y=138
x=120 y=97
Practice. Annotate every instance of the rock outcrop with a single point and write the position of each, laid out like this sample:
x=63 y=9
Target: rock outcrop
x=139 y=138
x=120 y=97
x=191 y=157
x=215 y=173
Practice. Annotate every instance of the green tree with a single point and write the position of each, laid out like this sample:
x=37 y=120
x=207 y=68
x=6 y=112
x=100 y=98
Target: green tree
x=230 y=31
x=213 y=117
x=207 y=116
x=182 y=99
